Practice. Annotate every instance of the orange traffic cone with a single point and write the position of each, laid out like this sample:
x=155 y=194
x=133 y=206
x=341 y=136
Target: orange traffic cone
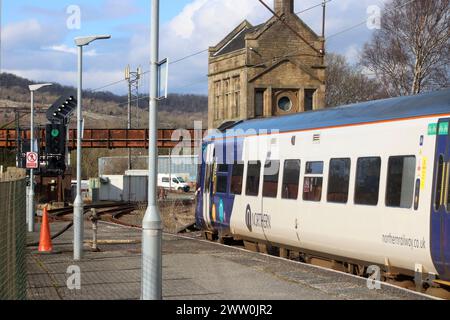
x=45 y=241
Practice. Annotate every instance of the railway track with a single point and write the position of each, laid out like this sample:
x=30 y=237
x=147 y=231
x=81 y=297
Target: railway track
x=103 y=207
x=110 y=212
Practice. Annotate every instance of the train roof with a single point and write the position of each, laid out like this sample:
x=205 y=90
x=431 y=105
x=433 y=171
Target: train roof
x=428 y=104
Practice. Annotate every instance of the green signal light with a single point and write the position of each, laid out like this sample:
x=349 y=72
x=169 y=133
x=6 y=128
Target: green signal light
x=55 y=133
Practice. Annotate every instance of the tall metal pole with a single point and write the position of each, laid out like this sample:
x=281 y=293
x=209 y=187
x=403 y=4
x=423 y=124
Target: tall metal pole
x=151 y=280
x=78 y=204
x=129 y=119
x=78 y=210
x=324 y=7
x=31 y=188
x=137 y=97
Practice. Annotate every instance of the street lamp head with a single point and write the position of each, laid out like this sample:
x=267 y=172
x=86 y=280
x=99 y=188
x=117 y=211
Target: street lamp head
x=35 y=87
x=84 y=41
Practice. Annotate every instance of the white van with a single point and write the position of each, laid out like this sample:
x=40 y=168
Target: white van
x=177 y=183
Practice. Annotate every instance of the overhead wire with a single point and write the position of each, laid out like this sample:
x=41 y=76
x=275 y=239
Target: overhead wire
x=191 y=55
x=366 y=20
x=293 y=53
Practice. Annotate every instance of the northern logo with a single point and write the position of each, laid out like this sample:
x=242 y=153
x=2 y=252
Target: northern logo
x=258 y=220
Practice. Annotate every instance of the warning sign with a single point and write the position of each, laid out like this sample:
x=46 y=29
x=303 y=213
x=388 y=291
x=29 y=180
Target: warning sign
x=32 y=160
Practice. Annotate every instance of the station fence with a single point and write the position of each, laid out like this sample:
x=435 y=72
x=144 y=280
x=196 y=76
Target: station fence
x=13 y=231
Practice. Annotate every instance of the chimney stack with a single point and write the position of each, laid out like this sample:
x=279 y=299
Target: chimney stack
x=284 y=7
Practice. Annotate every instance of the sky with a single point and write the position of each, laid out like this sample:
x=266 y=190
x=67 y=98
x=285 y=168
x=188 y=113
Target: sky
x=37 y=36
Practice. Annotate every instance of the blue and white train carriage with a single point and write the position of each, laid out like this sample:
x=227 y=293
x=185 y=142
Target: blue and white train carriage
x=365 y=183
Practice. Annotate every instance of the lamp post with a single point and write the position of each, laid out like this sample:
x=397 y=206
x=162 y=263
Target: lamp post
x=78 y=203
x=151 y=279
x=30 y=195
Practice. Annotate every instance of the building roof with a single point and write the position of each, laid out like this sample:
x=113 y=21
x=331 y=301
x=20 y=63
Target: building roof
x=235 y=40
x=238 y=42
x=435 y=103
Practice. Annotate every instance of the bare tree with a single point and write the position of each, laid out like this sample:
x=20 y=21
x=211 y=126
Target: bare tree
x=347 y=84
x=410 y=53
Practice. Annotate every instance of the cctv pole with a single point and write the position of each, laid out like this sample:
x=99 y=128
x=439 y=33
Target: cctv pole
x=78 y=228
x=151 y=279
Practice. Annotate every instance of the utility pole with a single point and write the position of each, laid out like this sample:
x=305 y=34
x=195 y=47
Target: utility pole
x=138 y=82
x=151 y=279
x=324 y=6
x=133 y=90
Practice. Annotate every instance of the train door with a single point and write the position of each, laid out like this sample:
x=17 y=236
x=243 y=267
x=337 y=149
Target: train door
x=223 y=200
x=440 y=208
x=208 y=188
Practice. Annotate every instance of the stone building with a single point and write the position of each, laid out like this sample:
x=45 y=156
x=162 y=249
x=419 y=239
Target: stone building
x=266 y=70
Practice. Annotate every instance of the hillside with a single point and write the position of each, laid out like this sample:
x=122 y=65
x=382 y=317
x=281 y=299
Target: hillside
x=102 y=109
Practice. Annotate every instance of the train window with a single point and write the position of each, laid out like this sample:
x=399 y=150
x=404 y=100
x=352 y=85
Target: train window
x=439 y=183
x=291 y=179
x=314 y=167
x=338 y=180
x=400 y=182
x=237 y=177
x=367 y=183
x=253 y=177
x=222 y=184
x=312 y=189
x=271 y=174
x=312 y=186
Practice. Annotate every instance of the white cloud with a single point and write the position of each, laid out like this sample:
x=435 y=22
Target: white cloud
x=353 y=53
x=30 y=32
x=183 y=25
x=201 y=24
x=71 y=50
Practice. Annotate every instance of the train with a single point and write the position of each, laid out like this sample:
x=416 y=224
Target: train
x=362 y=184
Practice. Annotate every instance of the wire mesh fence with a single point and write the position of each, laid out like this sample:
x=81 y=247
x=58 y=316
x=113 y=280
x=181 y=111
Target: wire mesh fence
x=13 y=274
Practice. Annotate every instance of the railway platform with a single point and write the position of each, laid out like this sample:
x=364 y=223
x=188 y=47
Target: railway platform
x=193 y=269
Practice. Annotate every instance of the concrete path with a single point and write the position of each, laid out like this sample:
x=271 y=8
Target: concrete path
x=192 y=270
